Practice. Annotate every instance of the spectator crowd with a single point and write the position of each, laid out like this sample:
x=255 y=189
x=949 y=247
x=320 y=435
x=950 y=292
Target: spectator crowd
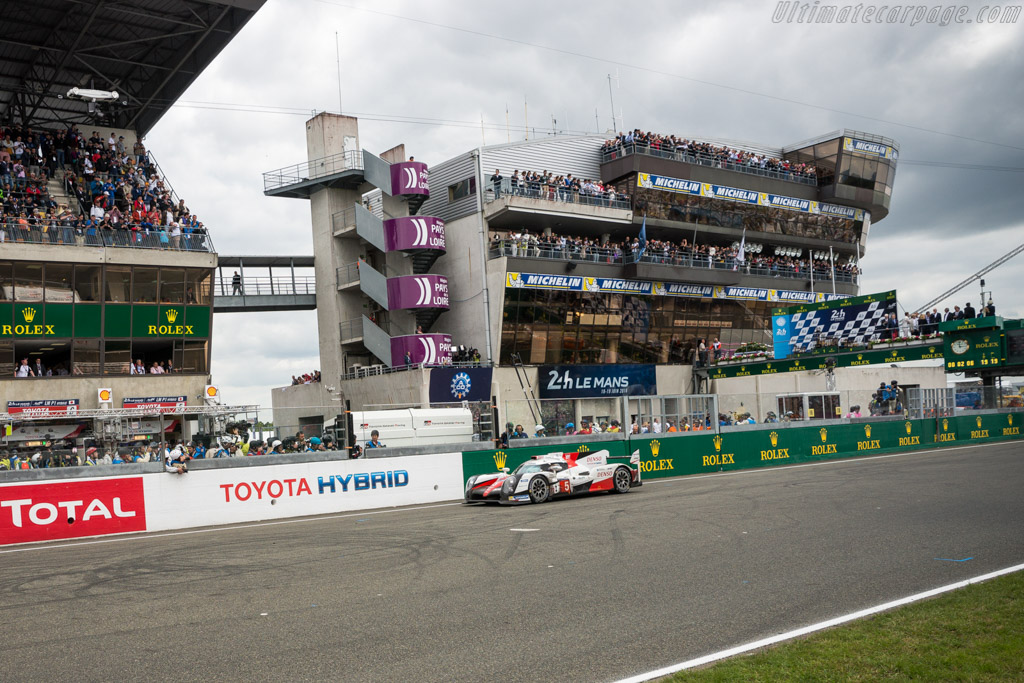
x=704 y=152
x=555 y=187
x=725 y=257
x=118 y=196
x=308 y=378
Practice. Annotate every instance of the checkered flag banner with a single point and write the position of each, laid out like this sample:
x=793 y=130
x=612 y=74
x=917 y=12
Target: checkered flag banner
x=851 y=326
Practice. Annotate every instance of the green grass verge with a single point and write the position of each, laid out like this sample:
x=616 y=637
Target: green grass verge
x=972 y=634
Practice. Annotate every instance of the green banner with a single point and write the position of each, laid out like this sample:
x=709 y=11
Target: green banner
x=88 y=320
x=895 y=354
x=842 y=303
x=117 y=320
x=987 y=323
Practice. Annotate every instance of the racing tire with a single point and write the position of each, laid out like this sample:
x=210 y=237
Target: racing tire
x=539 y=490
x=622 y=480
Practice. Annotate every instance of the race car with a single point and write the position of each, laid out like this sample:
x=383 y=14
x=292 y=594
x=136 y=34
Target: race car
x=555 y=475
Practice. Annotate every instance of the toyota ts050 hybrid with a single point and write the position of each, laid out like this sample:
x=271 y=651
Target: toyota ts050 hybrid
x=555 y=475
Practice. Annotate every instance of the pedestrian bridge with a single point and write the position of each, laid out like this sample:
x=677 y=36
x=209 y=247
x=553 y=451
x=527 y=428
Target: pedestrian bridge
x=271 y=284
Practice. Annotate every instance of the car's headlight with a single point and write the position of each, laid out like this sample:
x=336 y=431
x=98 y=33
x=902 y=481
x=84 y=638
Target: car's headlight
x=470 y=482
x=509 y=486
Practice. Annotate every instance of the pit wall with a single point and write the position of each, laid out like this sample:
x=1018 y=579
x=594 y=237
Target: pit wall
x=47 y=505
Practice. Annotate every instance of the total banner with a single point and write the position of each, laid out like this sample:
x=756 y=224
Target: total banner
x=448 y=385
x=575 y=283
x=417 y=291
x=62 y=406
x=407 y=233
x=53 y=510
x=734 y=194
x=586 y=381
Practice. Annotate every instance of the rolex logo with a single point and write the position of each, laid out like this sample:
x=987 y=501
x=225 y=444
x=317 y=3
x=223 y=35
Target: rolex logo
x=860 y=356
x=945 y=425
x=768 y=365
x=867 y=431
x=172 y=315
x=655 y=447
x=977 y=421
x=774 y=436
x=29 y=314
x=931 y=349
x=499 y=459
x=908 y=426
x=718 y=442
x=1009 y=419
x=583 y=449
x=824 y=434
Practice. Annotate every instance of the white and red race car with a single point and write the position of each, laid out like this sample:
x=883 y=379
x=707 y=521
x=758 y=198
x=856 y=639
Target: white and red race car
x=555 y=475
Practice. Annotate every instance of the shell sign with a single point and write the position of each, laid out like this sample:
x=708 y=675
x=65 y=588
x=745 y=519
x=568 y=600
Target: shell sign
x=104 y=395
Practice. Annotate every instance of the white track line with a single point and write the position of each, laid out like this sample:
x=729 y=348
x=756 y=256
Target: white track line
x=187 y=532
x=765 y=642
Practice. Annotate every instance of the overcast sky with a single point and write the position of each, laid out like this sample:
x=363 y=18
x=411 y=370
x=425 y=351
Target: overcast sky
x=693 y=69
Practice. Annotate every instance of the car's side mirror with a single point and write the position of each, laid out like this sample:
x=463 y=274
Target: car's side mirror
x=505 y=470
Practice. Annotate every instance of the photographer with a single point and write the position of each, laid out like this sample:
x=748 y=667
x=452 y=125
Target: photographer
x=177 y=460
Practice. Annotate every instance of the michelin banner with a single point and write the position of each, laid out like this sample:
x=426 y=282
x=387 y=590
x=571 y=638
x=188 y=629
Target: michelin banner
x=574 y=283
x=871 y=149
x=694 y=188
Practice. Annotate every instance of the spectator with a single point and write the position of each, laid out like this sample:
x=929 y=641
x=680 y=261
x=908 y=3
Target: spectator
x=538 y=432
x=177 y=460
x=374 y=441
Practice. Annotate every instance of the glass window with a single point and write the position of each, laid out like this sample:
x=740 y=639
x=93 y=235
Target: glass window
x=117 y=357
x=87 y=283
x=85 y=356
x=461 y=189
x=6 y=359
x=172 y=285
x=154 y=352
x=58 y=283
x=119 y=284
x=197 y=289
x=6 y=282
x=28 y=282
x=194 y=358
x=145 y=288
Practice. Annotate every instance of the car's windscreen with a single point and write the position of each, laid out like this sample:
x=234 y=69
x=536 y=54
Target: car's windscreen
x=527 y=467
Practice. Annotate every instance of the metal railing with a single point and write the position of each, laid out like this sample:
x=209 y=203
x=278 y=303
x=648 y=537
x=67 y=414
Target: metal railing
x=381 y=369
x=350 y=330
x=530 y=189
x=705 y=160
x=124 y=238
x=265 y=286
x=311 y=170
x=679 y=259
x=348 y=273
x=689 y=260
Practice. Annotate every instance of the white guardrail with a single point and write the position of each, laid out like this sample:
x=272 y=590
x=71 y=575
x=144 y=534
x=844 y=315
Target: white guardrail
x=76 y=508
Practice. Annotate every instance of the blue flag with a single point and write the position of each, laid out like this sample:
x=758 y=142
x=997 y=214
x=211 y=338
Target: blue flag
x=643 y=238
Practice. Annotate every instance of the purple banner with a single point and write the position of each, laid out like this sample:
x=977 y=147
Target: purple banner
x=432 y=349
x=417 y=291
x=414 y=232
x=409 y=177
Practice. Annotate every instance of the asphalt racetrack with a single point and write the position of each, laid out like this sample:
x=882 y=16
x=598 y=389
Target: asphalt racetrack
x=598 y=589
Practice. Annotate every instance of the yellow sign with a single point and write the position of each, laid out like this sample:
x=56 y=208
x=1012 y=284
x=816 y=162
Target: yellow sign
x=774 y=453
x=718 y=443
x=867 y=431
x=499 y=459
x=655 y=447
x=28 y=314
x=171 y=329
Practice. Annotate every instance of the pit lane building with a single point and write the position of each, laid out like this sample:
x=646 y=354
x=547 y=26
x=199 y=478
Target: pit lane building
x=403 y=281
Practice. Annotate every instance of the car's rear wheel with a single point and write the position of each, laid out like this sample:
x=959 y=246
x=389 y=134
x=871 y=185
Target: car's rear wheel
x=539 y=490
x=622 y=479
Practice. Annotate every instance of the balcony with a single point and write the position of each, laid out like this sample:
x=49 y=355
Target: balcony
x=299 y=179
x=679 y=259
x=121 y=238
x=710 y=162
x=534 y=203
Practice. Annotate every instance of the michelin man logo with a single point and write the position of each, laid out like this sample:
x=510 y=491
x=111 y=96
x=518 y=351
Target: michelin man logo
x=645 y=181
x=659 y=289
x=461 y=385
x=515 y=280
x=590 y=284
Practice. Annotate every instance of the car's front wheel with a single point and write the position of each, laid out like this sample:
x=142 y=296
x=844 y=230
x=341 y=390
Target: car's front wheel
x=622 y=479
x=539 y=490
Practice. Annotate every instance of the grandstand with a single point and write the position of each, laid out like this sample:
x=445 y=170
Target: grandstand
x=105 y=272
x=641 y=253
